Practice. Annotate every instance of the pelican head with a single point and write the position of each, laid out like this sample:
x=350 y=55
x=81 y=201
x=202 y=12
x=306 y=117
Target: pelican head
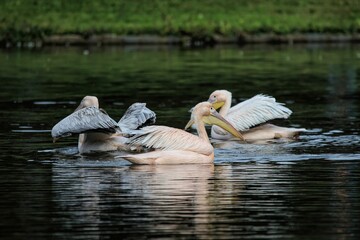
x=206 y=113
x=219 y=97
x=88 y=101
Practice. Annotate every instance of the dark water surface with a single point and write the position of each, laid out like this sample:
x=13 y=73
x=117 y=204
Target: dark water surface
x=305 y=189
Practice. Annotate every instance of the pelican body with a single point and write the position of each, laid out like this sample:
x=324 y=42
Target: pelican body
x=97 y=131
x=247 y=114
x=176 y=146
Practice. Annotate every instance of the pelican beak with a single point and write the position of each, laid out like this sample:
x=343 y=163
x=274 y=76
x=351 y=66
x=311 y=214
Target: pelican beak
x=216 y=119
x=191 y=122
x=215 y=103
x=55 y=139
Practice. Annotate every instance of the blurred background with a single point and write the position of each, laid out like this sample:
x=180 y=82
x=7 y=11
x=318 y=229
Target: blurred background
x=39 y=22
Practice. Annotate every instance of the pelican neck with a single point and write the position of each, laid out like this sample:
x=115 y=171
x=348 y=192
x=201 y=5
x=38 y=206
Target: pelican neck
x=200 y=127
x=226 y=107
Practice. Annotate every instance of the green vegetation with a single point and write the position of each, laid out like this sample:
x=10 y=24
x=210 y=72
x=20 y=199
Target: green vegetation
x=30 y=19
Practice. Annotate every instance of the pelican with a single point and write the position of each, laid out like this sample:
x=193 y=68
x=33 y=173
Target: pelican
x=175 y=146
x=247 y=114
x=97 y=131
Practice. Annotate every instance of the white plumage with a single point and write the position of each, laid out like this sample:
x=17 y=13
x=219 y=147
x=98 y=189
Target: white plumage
x=97 y=131
x=256 y=110
x=169 y=145
x=249 y=113
x=86 y=119
x=168 y=138
x=136 y=116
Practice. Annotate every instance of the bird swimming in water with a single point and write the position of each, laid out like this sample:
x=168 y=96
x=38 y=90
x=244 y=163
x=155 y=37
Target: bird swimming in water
x=249 y=113
x=99 y=132
x=176 y=146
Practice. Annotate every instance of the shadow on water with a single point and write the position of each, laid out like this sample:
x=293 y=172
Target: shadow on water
x=308 y=188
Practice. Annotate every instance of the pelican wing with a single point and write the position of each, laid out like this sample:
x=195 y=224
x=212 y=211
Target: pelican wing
x=168 y=138
x=256 y=110
x=135 y=117
x=89 y=119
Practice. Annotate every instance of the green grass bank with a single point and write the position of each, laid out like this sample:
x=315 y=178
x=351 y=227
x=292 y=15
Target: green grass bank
x=36 y=20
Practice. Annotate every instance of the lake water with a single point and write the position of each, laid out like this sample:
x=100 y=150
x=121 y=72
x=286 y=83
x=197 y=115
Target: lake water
x=304 y=189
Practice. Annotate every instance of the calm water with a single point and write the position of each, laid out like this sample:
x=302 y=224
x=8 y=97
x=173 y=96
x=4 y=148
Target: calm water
x=305 y=189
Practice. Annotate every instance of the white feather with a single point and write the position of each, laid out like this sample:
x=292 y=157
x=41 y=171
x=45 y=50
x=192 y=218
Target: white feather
x=256 y=110
x=136 y=116
x=168 y=138
x=84 y=120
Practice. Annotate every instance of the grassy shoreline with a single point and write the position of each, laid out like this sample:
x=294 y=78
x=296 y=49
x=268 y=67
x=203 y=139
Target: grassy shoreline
x=37 y=20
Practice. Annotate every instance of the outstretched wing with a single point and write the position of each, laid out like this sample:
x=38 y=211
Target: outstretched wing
x=135 y=117
x=168 y=138
x=89 y=119
x=256 y=110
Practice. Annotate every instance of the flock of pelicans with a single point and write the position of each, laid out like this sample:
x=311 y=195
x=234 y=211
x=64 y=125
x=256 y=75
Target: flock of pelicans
x=155 y=144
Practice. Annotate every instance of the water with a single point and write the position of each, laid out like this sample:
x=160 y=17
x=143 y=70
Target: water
x=304 y=189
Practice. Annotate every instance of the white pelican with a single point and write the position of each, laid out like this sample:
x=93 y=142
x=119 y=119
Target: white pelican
x=176 y=146
x=256 y=110
x=97 y=131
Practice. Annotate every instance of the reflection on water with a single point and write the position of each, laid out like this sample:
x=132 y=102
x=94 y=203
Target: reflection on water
x=342 y=84
x=304 y=189
x=311 y=198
